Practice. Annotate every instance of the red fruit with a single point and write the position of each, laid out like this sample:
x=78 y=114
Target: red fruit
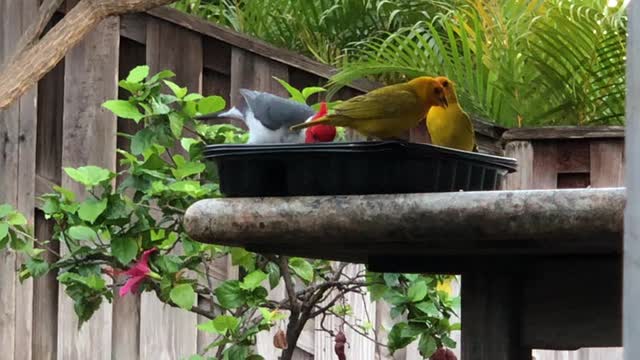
x=280 y=340
x=443 y=354
x=341 y=340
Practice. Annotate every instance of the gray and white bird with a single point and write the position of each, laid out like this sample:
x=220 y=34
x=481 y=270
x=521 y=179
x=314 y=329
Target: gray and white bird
x=269 y=117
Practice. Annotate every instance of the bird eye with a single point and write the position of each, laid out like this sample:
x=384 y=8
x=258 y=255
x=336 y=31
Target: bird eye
x=445 y=83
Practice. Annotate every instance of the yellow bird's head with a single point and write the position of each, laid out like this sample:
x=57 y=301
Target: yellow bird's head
x=430 y=91
x=449 y=89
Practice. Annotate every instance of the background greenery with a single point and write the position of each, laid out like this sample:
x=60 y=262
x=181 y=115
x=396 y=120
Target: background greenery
x=519 y=63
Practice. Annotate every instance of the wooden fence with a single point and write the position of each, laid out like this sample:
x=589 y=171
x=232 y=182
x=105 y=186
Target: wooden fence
x=60 y=123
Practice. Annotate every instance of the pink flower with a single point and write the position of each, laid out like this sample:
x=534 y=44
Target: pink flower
x=138 y=273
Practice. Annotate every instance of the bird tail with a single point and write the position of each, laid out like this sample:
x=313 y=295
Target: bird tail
x=322 y=120
x=232 y=113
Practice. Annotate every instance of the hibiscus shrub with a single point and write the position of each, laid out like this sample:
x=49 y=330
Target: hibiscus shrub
x=125 y=234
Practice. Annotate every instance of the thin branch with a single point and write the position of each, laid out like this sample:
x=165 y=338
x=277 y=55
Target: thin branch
x=283 y=263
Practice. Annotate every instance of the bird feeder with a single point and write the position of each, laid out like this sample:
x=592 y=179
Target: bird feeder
x=356 y=168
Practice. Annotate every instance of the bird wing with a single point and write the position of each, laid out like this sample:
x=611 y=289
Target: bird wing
x=275 y=112
x=378 y=105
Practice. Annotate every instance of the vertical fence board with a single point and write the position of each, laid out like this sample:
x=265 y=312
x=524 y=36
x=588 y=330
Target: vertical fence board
x=166 y=332
x=48 y=166
x=523 y=152
x=89 y=133
x=607 y=163
x=545 y=163
x=18 y=138
x=126 y=310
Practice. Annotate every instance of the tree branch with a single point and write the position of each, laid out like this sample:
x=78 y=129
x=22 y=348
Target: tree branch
x=34 y=62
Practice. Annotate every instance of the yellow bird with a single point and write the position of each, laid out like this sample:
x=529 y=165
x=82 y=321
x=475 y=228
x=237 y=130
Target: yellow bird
x=388 y=111
x=450 y=126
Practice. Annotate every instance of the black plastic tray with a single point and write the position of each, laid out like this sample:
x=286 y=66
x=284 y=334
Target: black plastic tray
x=355 y=168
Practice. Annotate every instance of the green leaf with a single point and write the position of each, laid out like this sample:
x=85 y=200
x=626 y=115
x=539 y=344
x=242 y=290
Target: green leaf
x=377 y=291
x=395 y=338
x=159 y=108
x=124 y=249
x=274 y=274
x=302 y=268
x=17 y=242
x=176 y=123
x=225 y=323
x=391 y=279
x=82 y=233
x=37 y=267
x=236 y=352
x=5 y=209
x=428 y=308
x=180 y=92
x=123 y=109
x=142 y=140
x=193 y=97
x=4 y=230
x=455 y=327
x=138 y=73
x=242 y=257
x=16 y=218
x=449 y=342
x=91 y=208
x=183 y=296
x=427 y=345
x=90 y=175
x=211 y=104
x=188 y=142
x=165 y=74
x=131 y=87
x=306 y=92
x=417 y=291
x=186 y=169
x=253 y=280
x=296 y=95
x=229 y=294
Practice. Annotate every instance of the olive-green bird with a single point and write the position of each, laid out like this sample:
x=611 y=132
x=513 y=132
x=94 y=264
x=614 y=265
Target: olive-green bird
x=451 y=126
x=386 y=112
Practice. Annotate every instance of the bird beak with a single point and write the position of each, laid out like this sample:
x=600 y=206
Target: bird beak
x=443 y=101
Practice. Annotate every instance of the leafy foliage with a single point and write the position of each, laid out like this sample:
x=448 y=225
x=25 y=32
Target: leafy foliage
x=320 y=28
x=137 y=214
x=519 y=63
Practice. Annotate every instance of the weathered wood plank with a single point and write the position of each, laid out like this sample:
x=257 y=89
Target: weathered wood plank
x=607 y=163
x=170 y=47
x=126 y=310
x=573 y=156
x=172 y=331
x=17 y=180
x=48 y=171
x=45 y=304
x=490 y=303
x=134 y=27
x=545 y=165
x=254 y=72
x=564 y=132
x=521 y=179
x=89 y=138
